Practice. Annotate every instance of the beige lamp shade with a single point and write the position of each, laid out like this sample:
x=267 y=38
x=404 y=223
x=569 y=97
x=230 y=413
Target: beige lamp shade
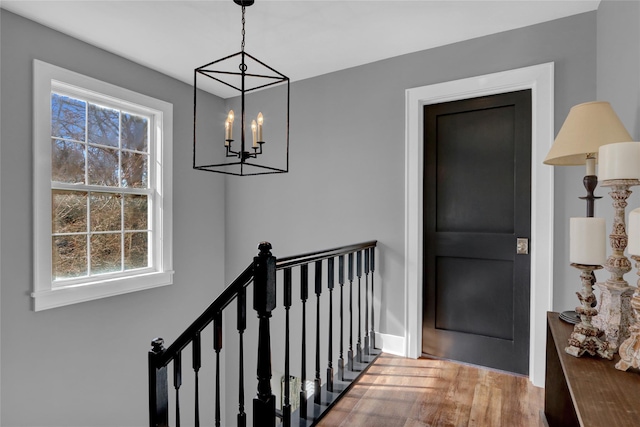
x=586 y=128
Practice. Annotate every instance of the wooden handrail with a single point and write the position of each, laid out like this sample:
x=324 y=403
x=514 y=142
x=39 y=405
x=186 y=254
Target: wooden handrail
x=226 y=298
x=293 y=261
x=243 y=280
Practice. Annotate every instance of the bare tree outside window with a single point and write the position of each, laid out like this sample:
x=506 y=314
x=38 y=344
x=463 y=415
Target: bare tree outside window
x=102 y=227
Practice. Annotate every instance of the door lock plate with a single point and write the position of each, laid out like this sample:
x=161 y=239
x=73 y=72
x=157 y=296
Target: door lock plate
x=522 y=246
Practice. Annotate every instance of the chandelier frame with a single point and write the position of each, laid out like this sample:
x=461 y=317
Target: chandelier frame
x=268 y=76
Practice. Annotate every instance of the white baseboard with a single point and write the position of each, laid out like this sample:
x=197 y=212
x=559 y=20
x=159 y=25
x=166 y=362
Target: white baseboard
x=391 y=344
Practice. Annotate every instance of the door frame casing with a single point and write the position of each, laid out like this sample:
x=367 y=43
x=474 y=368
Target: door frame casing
x=539 y=79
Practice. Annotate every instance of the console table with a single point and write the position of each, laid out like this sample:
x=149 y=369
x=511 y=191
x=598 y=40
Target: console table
x=586 y=391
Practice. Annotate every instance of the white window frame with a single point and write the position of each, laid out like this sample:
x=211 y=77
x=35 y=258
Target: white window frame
x=50 y=78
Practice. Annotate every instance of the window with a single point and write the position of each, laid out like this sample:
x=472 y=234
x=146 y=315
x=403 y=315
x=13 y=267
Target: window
x=102 y=189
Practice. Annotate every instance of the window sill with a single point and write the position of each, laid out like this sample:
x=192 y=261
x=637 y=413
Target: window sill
x=61 y=296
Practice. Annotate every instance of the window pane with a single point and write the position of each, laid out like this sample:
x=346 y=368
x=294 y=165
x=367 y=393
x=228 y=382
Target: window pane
x=103 y=166
x=67 y=161
x=134 y=170
x=104 y=125
x=105 y=253
x=69 y=211
x=68 y=117
x=135 y=212
x=69 y=256
x=106 y=214
x=136 y=250
x=134 y=132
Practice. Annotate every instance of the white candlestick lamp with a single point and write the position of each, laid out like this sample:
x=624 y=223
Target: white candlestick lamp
x=630 y=349
x=619 y=169
x=587 y=253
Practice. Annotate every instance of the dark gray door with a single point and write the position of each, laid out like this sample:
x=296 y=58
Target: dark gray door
x=477 y=202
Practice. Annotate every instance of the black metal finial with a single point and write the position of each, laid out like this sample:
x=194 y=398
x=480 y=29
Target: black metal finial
x=264 y=248
x=157 y=345
x=244 y=3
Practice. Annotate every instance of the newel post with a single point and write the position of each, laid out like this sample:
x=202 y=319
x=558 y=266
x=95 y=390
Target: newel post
x=158 y=389
x=264 y=302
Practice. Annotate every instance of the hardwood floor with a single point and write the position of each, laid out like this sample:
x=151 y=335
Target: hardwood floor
x=415 y=393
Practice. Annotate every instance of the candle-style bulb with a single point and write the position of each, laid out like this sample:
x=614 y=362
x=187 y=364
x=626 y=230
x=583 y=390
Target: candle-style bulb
x=227 y=132
x=260 y=122
x=228 y=128
x=254 y=129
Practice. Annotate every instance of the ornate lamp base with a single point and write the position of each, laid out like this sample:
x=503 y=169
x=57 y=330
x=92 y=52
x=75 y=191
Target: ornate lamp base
x=630 y=349
x=615 y=309
x=588 y=339
x=614 y=313
x=585 y=337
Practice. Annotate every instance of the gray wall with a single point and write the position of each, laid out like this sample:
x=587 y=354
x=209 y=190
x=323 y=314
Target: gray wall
x=619 y=79
x=619 y=60
x=347 y=157
x=347 y=151
x=85 y=364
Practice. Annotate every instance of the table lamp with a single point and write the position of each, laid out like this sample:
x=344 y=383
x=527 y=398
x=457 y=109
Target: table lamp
x=588 y=127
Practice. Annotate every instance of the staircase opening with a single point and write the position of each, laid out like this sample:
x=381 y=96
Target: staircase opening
x=321 y=303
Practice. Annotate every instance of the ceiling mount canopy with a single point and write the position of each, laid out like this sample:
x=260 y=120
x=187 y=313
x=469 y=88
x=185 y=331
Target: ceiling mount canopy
x=248 y=76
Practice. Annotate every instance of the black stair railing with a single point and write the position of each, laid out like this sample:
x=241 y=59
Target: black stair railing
x=262 y=273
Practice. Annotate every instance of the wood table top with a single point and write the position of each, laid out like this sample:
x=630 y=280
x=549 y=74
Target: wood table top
x=602 y=395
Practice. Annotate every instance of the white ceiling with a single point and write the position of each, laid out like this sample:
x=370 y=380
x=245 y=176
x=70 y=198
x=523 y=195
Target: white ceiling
x=301 y=39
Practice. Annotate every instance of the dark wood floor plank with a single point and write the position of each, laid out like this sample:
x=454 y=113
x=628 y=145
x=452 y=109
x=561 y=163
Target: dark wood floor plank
x=401 y=392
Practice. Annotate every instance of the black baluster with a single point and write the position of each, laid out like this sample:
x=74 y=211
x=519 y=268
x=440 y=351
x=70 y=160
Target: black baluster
x=373 y=269
x=317 y=382
x=158 y=387
x=177 y=382
x=264 y=301
x=286 y=407
x=304 y=296
x=242 y=326
x=197 y=364
x=217 y=346
x=367 y=351
x=350 y=352
x=330 y=285
x=341 y=281
x=359 y=272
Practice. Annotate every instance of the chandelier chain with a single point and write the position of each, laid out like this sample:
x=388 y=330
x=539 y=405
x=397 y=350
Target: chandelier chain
x=242 y=45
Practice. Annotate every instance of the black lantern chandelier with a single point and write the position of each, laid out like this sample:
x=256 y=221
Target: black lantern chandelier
x=245 y=74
